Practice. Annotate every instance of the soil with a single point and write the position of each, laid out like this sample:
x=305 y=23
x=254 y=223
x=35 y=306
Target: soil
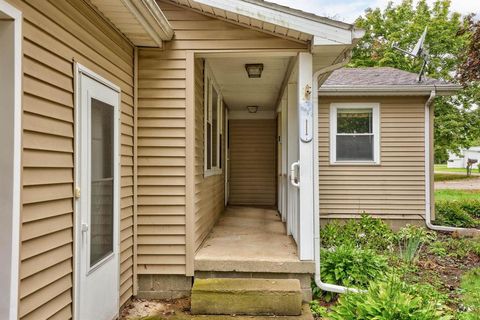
x=445 y=272
x=140 y=308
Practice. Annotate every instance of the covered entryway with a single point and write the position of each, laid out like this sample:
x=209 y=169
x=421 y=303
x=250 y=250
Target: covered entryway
x=250 y=160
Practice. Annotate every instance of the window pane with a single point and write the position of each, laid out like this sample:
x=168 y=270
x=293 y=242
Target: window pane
x=209 y=146
x=354 y=121
x=354 y=148
x=214 y=127
x=101 y=209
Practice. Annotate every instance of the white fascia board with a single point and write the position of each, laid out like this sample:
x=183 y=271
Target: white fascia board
x=151 y=18
x=404 y=90
x=322 y=33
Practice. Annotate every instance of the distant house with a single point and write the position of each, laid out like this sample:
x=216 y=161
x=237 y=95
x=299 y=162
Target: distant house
x=460 y=160
x=146 y=144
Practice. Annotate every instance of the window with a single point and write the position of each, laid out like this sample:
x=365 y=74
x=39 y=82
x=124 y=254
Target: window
x=213 y=125
x=354 y=133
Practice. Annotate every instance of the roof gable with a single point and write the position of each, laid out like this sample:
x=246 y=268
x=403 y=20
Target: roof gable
x=278 y=20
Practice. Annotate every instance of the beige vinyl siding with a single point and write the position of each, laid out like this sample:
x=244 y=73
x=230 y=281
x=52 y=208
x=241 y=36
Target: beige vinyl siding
x=395 y=189
x=56 y=33
x=162 y=239
x=210 y=190
x=252 y=162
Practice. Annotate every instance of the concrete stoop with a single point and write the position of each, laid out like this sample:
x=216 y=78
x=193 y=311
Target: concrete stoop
x=256 y=297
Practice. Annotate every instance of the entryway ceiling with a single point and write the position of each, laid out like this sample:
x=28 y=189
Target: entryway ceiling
x=240 y=91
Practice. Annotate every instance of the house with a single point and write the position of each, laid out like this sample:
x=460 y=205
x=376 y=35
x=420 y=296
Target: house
x=460 y=161
x=127 y=127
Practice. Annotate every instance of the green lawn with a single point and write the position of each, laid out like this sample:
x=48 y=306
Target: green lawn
x=451 y=176
x=452 y=194
x=443 y=168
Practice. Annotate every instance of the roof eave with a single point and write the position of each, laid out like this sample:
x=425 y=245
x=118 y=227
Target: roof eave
x=324 y=31
x=152 y=19
x=394 y=90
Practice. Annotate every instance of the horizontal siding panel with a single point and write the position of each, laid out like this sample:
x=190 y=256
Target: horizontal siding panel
x=393 y=190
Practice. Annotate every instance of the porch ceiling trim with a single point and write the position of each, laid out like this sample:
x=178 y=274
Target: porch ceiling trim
x=394 y=90
x=280 y=20
x=141 y=21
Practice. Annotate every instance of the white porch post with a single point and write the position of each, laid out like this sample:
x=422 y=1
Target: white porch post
x=306 y=149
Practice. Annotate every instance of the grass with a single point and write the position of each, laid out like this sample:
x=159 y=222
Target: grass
x=443 y=168
x=449 y=177
x=456 y=194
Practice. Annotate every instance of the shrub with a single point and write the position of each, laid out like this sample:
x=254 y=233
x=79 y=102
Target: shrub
x=457 y=248
x=366 y=232
x=317 y=310
x=451 y=213
x=352 y=267
x=390 y=300
x=472 y=207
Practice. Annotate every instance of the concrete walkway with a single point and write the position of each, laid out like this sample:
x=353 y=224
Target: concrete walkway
x=247 y=239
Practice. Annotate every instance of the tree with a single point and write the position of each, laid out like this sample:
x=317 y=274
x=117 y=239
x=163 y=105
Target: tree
x=449 y=36
x=469 y=70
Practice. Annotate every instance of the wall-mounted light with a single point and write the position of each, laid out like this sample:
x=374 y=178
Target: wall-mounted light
x=252 y=109
x=254 y=70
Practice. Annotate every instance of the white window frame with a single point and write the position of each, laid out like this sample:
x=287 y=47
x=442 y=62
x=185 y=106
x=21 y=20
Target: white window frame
x=208 y=92
x=334 y=107
x=10 y=196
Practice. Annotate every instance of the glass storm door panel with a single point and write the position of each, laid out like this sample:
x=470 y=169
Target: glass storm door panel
x=97 y=226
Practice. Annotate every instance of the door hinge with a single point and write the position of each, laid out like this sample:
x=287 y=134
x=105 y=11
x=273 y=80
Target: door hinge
x=77 y=192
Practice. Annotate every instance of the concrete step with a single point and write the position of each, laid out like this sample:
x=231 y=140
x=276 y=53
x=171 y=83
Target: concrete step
x=279 y=297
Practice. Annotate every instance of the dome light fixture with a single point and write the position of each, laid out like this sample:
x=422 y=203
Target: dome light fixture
x=252 y=109
x=254 y=70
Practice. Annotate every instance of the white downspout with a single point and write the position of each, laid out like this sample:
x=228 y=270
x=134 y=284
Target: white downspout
x=316 y=210
x=428 y=213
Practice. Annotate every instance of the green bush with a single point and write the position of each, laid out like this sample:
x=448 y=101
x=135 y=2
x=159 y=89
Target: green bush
x=366 y=232
x=451 y=213
x=352 y=267
x=317 y=310
x=457 y=248
x=472 y=207
x=390 y=300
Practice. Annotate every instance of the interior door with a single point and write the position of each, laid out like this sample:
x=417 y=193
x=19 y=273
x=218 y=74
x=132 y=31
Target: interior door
x=97 y=254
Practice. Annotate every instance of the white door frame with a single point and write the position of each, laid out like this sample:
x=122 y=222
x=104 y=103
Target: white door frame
x=11 y=93
x=306 y=152
x=79 y=71
x=226 y=157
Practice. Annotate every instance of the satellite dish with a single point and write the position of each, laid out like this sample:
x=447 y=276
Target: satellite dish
x=417 y=52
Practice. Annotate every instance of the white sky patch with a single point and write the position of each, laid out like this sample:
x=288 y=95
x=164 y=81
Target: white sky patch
x=349 y=10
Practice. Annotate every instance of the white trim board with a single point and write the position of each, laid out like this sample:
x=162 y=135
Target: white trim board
x=328 y=32
x=375 y=106
x=10 y=164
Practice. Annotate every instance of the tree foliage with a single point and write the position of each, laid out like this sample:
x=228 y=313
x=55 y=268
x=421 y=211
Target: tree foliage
x=457 y=123
x=469 y=70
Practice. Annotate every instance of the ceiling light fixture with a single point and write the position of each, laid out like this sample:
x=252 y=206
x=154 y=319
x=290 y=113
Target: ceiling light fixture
x=252 y=109
x=254 y=70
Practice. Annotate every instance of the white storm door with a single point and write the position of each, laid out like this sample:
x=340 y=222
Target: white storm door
x=293 y=206
x=97 y=228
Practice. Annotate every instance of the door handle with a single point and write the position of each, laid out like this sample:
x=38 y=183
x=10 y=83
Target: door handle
x=293 y=174
x=84 y=227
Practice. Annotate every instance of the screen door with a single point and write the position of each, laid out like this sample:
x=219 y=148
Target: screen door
x=98 y=200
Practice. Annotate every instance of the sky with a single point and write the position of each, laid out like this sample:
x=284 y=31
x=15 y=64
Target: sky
x=349 y=10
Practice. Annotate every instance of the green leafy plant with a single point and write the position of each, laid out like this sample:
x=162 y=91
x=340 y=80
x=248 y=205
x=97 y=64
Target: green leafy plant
x=457 y=248
x=411 y=240
x=352 y=267
x=317 y=310
x=366 y=232
x=451 y=213
x=390 y=300
x=472 y=207
x=470 y=295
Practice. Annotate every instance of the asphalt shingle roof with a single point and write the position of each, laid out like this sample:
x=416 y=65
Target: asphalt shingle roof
x=377 y=76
